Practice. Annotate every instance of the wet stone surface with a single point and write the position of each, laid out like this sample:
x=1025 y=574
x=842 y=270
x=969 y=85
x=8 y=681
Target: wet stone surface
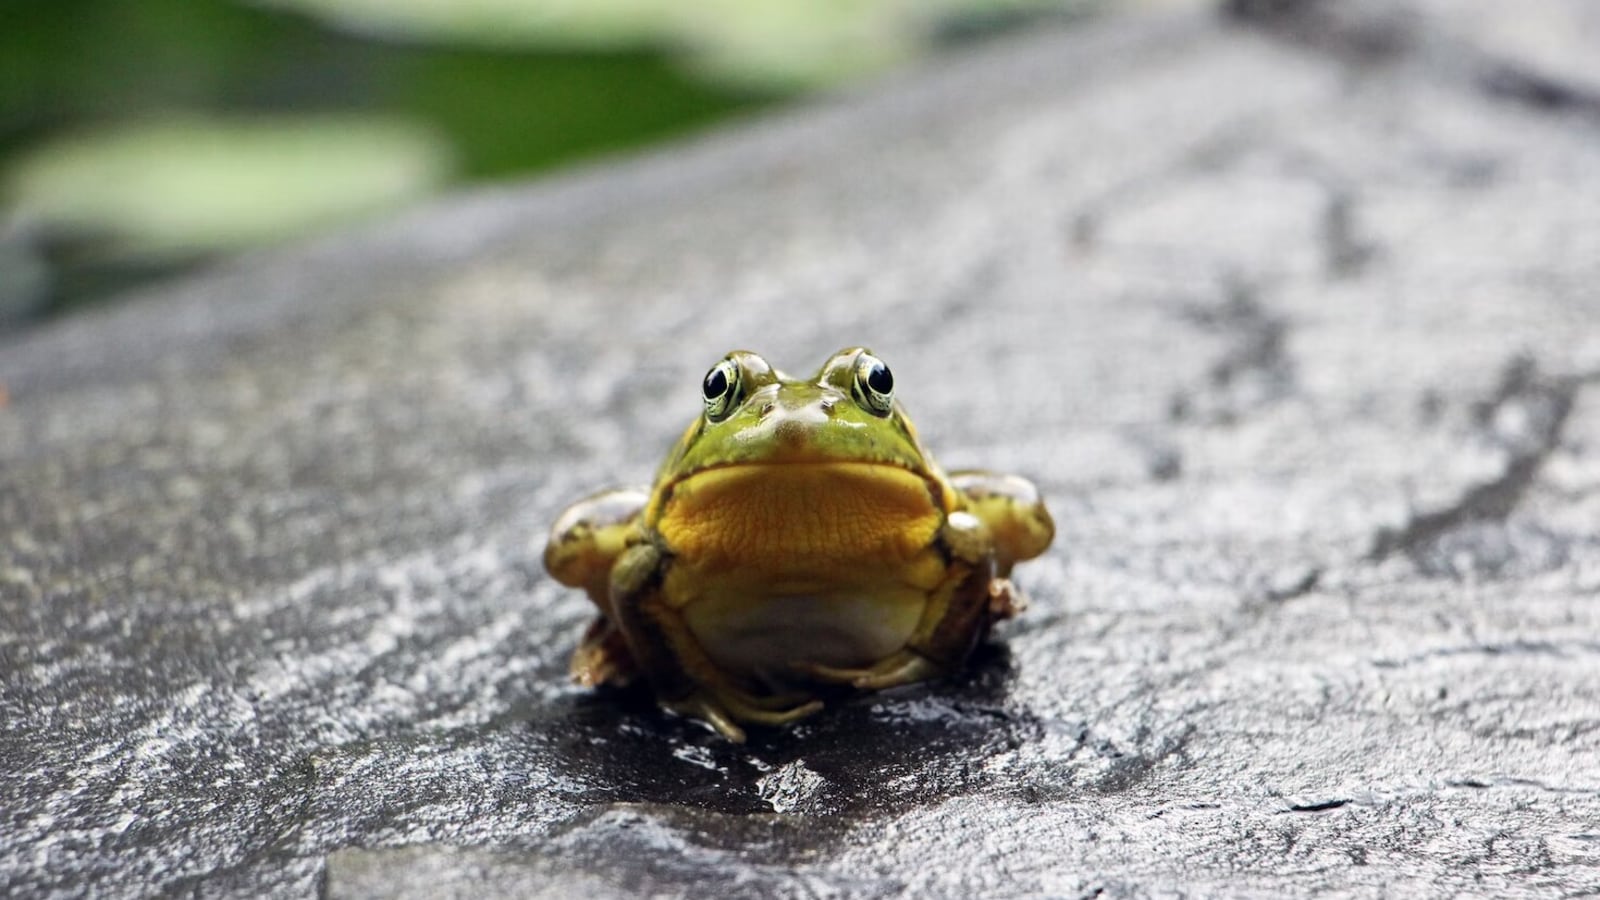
x=1295 y=327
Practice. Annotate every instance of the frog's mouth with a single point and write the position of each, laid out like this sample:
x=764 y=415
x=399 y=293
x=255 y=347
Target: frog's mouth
x=800 y=516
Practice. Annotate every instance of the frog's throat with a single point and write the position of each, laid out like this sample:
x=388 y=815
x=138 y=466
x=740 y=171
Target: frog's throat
x=794 y=517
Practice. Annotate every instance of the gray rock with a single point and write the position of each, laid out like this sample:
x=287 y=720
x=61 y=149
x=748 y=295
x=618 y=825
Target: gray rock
x=1295 y=327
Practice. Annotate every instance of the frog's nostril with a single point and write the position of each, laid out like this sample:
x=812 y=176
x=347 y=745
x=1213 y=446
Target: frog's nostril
x=827 y=408
x=766 y=410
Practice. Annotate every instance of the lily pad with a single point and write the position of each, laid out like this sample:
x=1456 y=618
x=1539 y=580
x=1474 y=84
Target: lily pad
x=766 y=43
x=183 y=187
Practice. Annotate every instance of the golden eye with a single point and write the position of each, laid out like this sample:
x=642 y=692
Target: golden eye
x=721 y=390
x=874 y=385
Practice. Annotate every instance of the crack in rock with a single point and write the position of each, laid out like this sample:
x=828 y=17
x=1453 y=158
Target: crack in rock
x=1525 y=416
x=1319 y=805
x=1346 y=255
x=1254 y=371
x=1364 y=32
x=1539 y=91
x=1522 y=648
x=1125 y=770
x=1512 y=781
x=1084 y=228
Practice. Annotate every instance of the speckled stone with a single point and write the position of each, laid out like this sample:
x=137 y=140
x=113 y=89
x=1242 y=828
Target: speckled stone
x=1296 y=327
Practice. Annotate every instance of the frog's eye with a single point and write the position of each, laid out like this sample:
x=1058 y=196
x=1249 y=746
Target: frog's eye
x=874 y=385
x=721 y=390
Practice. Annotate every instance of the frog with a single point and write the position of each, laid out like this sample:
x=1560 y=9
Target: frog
x=798 y=543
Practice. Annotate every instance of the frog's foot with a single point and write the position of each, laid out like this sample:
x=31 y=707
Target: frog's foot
x=699 y=706
x=719 y=708
x=1005 y=601
x=767 y=710
x=905 y=667
x=592 y=666
x=602 y=657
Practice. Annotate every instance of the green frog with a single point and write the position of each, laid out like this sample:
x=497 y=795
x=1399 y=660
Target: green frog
x=798 y=539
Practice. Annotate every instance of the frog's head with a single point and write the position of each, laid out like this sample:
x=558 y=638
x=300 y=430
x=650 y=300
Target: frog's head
x=755 y=414
x=778 y=463
x=779 y=472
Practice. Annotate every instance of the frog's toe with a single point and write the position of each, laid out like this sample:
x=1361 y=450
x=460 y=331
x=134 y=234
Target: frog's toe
x=1005 y=600
x=602 y=657
x=709 y=711
x=905 y=667
x=760 y=709
x=591 y=667
x=828 y=674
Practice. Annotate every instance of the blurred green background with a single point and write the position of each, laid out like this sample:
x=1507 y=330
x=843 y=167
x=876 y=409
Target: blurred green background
x=142 y=137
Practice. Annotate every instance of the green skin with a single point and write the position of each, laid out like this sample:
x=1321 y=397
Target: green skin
x=612 y=545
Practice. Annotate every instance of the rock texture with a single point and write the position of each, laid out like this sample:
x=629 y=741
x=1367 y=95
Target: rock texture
x=1291 y=310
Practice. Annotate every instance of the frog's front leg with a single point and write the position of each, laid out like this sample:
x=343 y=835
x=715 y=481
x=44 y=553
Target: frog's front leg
x=683 y=676
x=956 y=617
x=590 y=536
x=1019 y=524
x=585 y=543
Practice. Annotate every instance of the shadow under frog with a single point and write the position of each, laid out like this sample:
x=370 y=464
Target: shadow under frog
x=880 y=752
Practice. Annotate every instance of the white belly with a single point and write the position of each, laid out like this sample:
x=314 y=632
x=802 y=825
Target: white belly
x=764 y=637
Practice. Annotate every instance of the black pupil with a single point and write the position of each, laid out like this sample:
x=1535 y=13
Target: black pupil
x=716 y=384
x=879 y=379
